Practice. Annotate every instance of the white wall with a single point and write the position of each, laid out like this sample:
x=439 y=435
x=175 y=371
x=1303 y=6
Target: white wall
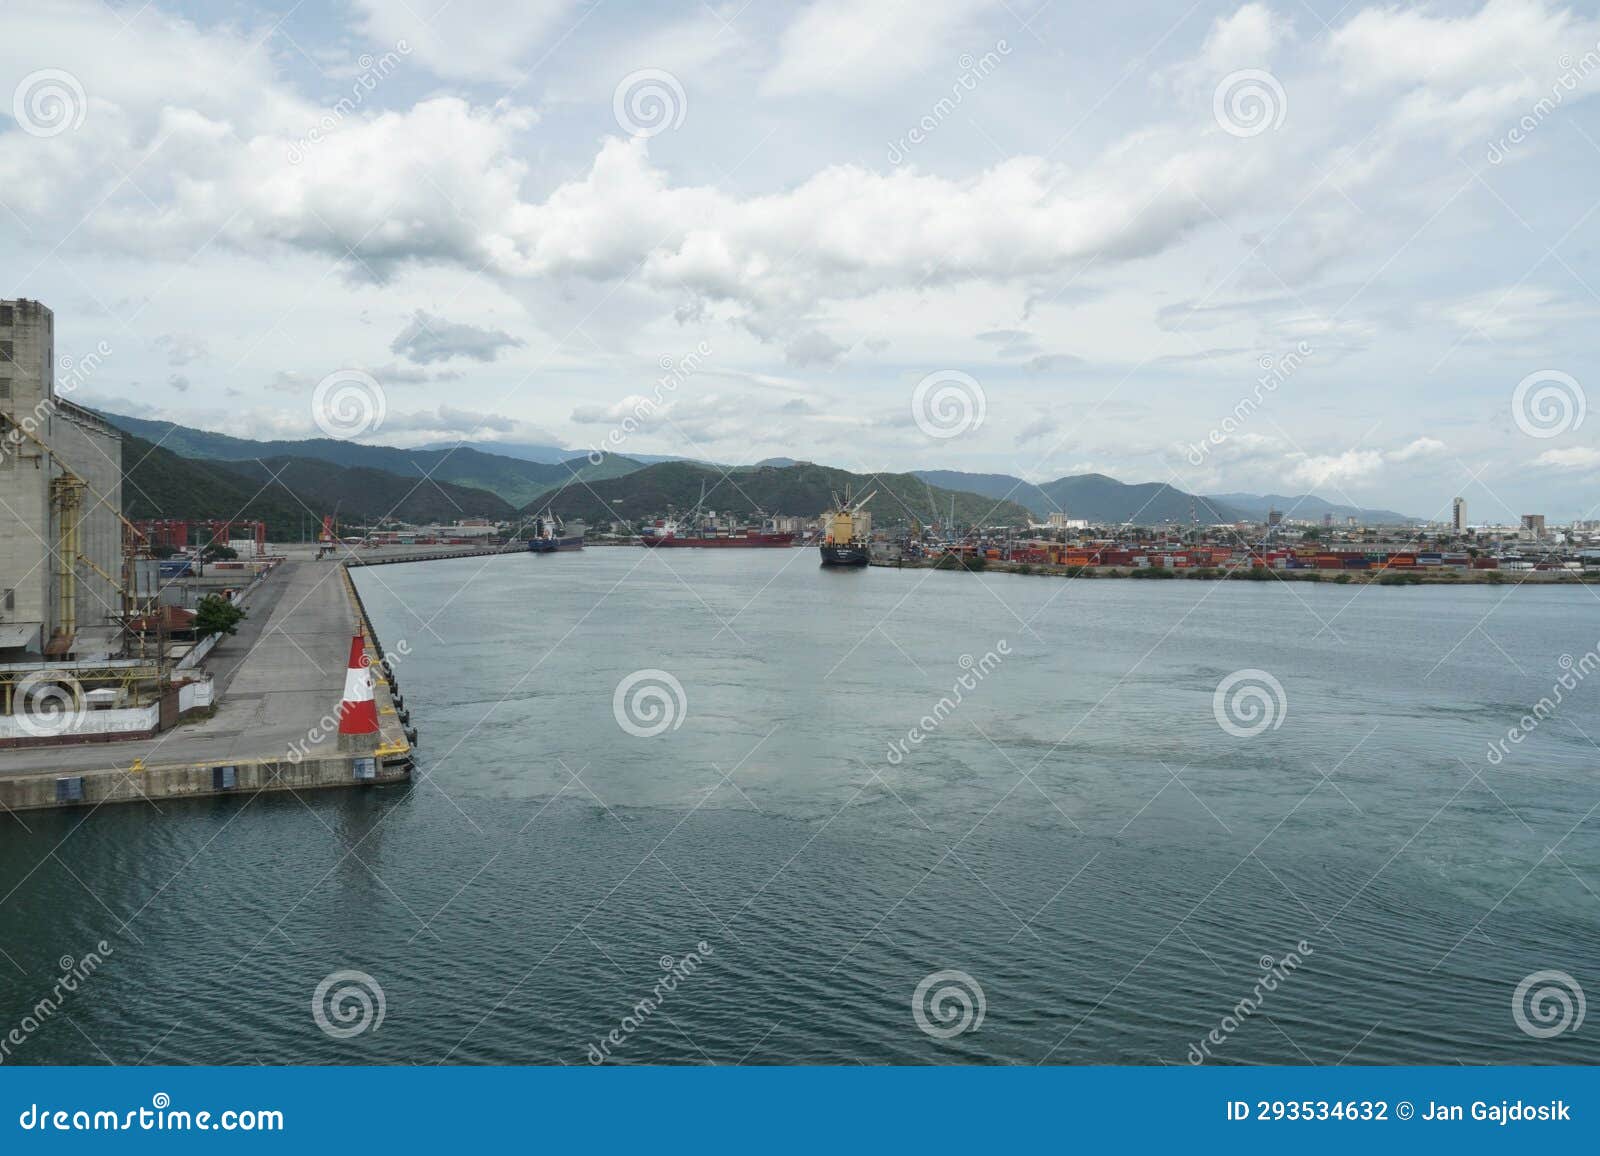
x=95 y=722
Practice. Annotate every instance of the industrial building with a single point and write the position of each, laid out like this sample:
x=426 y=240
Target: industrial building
x=61 y=527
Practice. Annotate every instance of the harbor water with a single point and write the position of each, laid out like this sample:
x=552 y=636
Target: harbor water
x=875 y=816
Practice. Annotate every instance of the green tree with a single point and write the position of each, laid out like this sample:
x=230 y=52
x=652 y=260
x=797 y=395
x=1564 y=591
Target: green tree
x=216 y=615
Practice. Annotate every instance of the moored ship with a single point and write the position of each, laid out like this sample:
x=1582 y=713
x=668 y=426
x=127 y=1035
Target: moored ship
x=668 y=533
x=847 y=532
x=550 y=535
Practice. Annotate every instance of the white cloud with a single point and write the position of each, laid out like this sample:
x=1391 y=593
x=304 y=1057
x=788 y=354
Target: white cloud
x=289 y=381
x=862 y=46
x=1516 y=313
x=1350 y=467
x=468 y=39
x=814 y=347
x=1423 y=447
x=1573 y=459
x=428 y=338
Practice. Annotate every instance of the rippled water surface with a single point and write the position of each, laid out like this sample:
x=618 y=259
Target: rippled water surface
x=1078 y=835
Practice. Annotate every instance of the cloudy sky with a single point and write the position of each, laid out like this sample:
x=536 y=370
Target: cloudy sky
x=1265 y=247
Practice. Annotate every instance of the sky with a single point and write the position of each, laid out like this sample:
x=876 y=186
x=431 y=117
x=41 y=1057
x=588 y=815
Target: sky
x=1314 y=246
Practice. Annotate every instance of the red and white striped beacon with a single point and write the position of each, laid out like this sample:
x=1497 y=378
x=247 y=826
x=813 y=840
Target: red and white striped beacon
x=358 y=711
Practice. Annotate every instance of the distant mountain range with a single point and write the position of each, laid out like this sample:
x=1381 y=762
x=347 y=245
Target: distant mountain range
x=195 y=470
x=289 y=494
x=518 y=481
x=804 y=489
x=550 y=455
x=1097 y=498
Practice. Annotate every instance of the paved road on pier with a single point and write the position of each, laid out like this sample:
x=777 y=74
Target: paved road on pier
x=282 y=672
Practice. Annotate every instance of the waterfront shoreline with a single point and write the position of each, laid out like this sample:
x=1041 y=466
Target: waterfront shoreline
x=1422 y=576
x=261 y=757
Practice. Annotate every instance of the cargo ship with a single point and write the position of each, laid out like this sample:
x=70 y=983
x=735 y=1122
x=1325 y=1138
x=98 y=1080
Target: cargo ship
x=550 y=535
x=668 y=533
x=847 y=532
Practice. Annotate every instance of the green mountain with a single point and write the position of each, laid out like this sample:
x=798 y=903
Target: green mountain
x=157 y=483
x=513 y=479
x=1094 y=497
x=362 y=494
x=1310 y=508
x=804 y=489
x=1098 y=498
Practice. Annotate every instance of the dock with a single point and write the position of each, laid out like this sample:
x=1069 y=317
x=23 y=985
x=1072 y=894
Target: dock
x=425 y=555
x=275 y=729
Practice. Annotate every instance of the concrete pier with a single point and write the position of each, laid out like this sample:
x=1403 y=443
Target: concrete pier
x=281 y=677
